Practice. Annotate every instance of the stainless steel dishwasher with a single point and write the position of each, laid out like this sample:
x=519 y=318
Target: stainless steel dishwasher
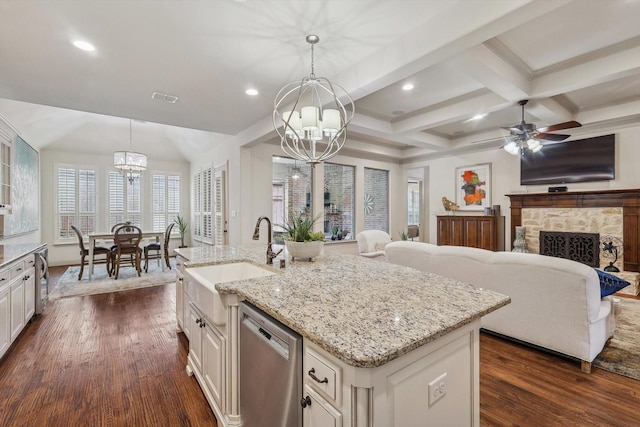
x=270 y=371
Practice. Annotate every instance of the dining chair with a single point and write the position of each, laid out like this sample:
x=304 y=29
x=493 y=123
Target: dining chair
x=97 y=250
x=155 y=246
x=127 y=240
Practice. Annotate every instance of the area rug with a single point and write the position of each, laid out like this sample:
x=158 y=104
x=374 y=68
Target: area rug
x=622 y=354
x=68 y=285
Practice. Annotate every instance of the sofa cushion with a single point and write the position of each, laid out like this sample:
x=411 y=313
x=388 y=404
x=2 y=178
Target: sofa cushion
x=610 y=284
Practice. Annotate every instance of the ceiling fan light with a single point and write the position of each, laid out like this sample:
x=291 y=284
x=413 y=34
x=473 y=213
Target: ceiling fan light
x=537 y=148
x=512 y=148
x=533 y=144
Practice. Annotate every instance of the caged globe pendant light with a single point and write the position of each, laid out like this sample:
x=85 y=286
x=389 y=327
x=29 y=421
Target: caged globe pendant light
x=129 y=163
x=310 y=116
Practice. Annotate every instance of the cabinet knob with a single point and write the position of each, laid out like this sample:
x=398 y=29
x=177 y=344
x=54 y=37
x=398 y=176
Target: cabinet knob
x=180 y=279
x=198 y=320
x=202 y=325
x=305 y=401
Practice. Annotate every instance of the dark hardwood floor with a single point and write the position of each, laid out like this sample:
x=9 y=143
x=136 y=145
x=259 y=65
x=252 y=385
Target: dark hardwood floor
x=116 y=360
x=102 y=360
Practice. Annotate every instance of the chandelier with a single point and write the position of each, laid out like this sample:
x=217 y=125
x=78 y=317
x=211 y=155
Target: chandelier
x=129 y=163
x=310 y=117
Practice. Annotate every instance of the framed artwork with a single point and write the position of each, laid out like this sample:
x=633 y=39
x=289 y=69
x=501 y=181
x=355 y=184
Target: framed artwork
x=473 y=187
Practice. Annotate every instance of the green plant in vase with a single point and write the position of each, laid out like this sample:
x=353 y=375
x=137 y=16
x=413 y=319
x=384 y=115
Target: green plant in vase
x=183 y=225
x=300 y=239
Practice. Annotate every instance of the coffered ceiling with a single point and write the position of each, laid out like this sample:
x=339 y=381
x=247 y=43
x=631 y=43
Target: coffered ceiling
x=574 y=60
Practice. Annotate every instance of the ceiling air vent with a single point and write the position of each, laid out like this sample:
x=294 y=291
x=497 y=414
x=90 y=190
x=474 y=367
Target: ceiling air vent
x=164 y=97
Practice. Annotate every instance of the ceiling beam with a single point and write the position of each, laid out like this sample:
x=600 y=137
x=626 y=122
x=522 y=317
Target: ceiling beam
x=616 y=65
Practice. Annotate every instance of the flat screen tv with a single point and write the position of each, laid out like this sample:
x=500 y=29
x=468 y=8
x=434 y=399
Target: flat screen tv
x=583 y=160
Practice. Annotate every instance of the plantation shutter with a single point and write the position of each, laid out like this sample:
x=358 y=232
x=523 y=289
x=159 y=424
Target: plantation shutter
x=207 y=194
x=159 y=202
x=66 y=202
x=219 y=208
x=197 y=204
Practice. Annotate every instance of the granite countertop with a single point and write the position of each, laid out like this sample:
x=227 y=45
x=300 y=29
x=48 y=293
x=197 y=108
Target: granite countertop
x=12 y=252
x=364 y=312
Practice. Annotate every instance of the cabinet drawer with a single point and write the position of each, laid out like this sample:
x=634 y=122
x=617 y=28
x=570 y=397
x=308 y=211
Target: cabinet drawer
x=17 y=269
x=5 y=275
x=328 y=376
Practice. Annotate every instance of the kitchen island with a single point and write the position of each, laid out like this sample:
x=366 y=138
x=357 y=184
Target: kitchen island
x=396 y=346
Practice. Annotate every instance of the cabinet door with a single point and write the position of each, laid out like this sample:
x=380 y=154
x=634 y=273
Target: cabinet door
x=17 y=307
x=29 y=294
x=450 y=231
x=195 y=338
x=319 y=413
x=179 y=301
x=5 y=320
x=213 y=363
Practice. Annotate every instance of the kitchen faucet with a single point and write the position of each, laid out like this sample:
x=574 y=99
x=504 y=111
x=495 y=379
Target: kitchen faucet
x=256 y=235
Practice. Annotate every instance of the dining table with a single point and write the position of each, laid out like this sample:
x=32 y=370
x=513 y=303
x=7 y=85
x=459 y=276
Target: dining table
x=159 y=236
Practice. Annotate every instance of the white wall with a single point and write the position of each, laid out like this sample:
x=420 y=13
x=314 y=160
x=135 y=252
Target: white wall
x=505 y=171
x=62 y=254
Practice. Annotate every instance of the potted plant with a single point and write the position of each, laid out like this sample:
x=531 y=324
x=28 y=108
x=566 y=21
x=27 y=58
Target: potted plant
x=334 y=232
x=300 y=239
x=182 y=228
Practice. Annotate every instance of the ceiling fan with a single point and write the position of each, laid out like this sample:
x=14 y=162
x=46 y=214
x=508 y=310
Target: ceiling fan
x=527 y=135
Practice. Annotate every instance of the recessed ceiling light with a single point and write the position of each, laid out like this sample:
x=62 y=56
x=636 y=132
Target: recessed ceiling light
x=407 y=86
x=251 y=92
x=81 y=44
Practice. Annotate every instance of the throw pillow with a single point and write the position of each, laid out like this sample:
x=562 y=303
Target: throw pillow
x=381 y=245
x=610 y=284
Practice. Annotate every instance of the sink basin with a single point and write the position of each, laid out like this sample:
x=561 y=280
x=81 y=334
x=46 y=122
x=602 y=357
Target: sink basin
x=201 y=288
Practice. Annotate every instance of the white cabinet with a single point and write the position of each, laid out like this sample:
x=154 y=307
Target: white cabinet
x=195 y=338
x=5 y=319
x=180 y=297
x=207 y=359
x=213 y=352
x=29 y=294
x=318 y=412
x=435 y=384
x=17 y=307
x=17 y=299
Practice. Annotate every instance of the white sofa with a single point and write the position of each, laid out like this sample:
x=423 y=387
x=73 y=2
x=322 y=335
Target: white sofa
x=555 y=303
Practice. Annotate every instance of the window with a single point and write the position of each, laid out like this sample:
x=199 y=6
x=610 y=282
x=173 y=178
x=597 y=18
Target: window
x=125 y=199
x=291 y=190
x=203 y=205
x=76 y=194
x=197 y=205
x=339 y=201
x=165 y=200
x=376 y=199
x=413 y=203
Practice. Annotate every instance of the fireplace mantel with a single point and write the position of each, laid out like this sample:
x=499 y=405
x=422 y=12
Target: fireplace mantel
x=629 y=200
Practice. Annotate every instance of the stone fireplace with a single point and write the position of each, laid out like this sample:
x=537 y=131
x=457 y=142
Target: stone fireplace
x=598 y=221
x=611 y=213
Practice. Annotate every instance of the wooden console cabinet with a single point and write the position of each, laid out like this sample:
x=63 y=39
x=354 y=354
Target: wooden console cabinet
x=485 y=232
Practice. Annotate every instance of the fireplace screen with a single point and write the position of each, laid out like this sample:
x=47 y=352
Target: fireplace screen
x=581 y=247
